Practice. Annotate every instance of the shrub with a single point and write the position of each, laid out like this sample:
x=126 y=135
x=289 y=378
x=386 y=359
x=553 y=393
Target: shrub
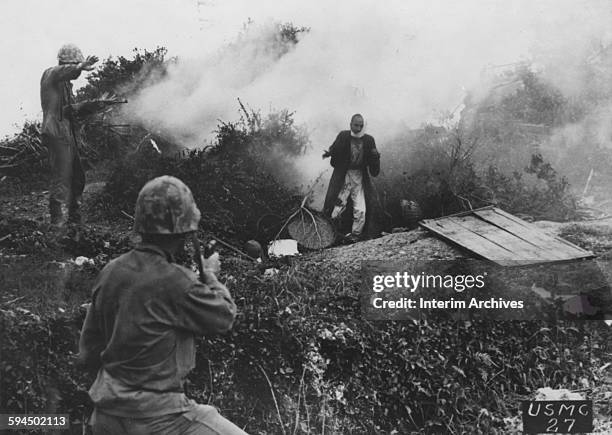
x=106 y=135
x=436 y=166
x=231 y=196
x=300 y=344
x=23 y=154
x=269 y=144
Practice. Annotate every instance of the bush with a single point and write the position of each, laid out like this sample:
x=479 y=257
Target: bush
x=125 y=76
x=545 y=197
x=230 y=196
x=300 y=344
x=106 y=135
x=269 y=144
x=436 y=166
x=40 y=377
x=23 y=155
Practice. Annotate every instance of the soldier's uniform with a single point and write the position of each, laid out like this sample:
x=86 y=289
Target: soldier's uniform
x=140 y=328
x=59 y=135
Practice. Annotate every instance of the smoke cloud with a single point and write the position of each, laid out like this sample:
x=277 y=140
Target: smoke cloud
x=399 y=64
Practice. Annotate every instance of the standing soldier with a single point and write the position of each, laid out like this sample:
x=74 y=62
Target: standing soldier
x=58 y=132
x=354 y=158
x=145 y=313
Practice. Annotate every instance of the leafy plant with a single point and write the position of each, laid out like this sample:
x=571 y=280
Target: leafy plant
x=231 y=194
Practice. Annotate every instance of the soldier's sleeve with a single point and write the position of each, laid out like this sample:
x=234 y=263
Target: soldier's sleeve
x=374 y=160
x=61 y=73
x=205 y=308
x=91 y=342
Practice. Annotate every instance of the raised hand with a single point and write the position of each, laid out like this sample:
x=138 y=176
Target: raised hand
x=89 y=63
x=212 y=263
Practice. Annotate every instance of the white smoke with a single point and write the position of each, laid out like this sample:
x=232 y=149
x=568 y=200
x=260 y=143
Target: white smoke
x=397 y=63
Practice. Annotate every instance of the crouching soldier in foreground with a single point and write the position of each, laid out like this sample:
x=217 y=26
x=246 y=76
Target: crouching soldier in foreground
x=140 y=328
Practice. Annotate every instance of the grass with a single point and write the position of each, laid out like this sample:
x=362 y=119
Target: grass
x=300 y=358
x=44 y=286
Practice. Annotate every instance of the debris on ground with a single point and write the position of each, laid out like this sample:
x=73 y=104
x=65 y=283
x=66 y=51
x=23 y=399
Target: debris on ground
x=283 y=248
x=417 y=244
x=271 y=272
x=25 y=150
x=81 y=260
x=548 y=393
x=253 y=249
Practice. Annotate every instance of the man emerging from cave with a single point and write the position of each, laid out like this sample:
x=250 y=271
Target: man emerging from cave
x=59 y=133
x=354 y=158
x=145 y=314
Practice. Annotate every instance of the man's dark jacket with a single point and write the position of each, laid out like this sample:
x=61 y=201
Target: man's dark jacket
x=340 y=153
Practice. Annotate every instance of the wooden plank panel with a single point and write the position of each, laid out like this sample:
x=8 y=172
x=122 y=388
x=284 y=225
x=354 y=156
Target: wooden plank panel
x=562 y=249
x=503 y=238
x=558 y=239
x=523 y=230
x=468 y=212
x=529 y=230
x=521 y=249
x=469 y=240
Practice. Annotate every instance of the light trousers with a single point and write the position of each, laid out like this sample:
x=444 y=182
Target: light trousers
x=353 y=188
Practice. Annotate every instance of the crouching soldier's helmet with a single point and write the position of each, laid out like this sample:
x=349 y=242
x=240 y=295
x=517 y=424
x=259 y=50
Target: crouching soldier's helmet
x=165 y=205
x=69 y=53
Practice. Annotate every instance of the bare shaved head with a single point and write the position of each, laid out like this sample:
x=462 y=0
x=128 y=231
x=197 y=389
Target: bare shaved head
x=356 y=123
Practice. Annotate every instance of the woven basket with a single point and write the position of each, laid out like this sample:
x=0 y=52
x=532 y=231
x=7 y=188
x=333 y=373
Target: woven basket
x=311 y=230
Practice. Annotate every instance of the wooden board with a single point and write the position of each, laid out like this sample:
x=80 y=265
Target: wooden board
x=507 y=240
x=531 y=233
x=503 y=238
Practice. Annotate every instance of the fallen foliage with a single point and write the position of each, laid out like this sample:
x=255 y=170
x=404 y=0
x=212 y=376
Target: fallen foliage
x=23 y=154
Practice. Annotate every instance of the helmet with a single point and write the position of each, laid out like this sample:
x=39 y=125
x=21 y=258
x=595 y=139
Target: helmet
x=70 y=53
x=165 y=205
x=253 y=249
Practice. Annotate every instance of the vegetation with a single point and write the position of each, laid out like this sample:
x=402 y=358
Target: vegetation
x=300 y=355
x=301 y=359
x=491 y=156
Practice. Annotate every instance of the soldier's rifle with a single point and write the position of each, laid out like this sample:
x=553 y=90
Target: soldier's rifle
x=90 y=107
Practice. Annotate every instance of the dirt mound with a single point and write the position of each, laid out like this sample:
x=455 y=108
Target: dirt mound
x=421 y=244
x=594 y=235
x=410 y=245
